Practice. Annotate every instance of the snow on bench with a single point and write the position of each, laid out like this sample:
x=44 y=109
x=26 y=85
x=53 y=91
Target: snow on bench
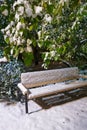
x=41 y=83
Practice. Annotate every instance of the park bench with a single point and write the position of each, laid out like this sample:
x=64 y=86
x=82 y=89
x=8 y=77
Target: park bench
x=36 y=84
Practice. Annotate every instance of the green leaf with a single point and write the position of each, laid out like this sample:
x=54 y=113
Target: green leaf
x=7 y=40
x=50 y=8
x=28 y=58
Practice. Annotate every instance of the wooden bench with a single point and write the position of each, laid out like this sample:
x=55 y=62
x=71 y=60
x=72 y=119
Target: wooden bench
x=36 y=84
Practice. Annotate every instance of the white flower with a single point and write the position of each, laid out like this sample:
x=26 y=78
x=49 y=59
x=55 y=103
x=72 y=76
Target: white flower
x=8 y=27
x=48 y=18
x=18 y=2
x=23 y=41
x=46 y=37
x=8 y=33
x=29 y=49
x=12 y=23
x=38 y=9
x=2 y=30
x=26 y=3
x=11 y=52
x=5 y=36
x=39 y=34
x=53 y=46
x=13 y=30
x=21 y=33
x=17 y=16
x=28 y=12
x=20 y=25
x=14 y=39
x=21 y=10
x=5 y=12
x=29 y=41
x=19 y=41
x=16 y=33
x=52 y=53
x=46 y=55
x=11 y=39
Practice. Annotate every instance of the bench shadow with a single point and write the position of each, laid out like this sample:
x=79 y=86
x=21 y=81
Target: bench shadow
x=47 y=102
x=35 y=111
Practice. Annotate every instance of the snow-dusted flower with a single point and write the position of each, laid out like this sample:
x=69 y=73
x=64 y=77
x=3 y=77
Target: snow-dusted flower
x=52 y=53
x=8 y=33
x=14 y=38
x=29 y=49
x=23 y=41
x=19 y=41
x=8 y=27
x=28 y=12
x=2 y=30
x=29 y=41
x=17 y=16
x=13 y=30
x=26 y=3
x=11 y=52
x=11 y=39
x=39 y=34
x=12 y=23
x=53 y=46
x=20 y=25
x=21 y=33
x=18 y=2
x=5 y=36
x=38 y=9
x=48 y=18
x=5 y=12
x=46 y=37
x=16 y=33
x=21 y=10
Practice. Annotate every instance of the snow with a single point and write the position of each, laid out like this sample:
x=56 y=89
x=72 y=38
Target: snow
x=69 y=116
x=4 y=59
x=51 y=88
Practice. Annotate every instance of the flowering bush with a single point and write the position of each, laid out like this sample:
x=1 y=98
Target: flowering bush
x=5 y=6
x=19 y=34
x=51 y=25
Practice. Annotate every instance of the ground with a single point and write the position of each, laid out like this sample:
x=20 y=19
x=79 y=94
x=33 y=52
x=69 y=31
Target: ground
x=68 y=116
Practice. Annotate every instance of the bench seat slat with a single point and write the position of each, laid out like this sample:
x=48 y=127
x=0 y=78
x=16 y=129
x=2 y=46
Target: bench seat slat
x=57 y=88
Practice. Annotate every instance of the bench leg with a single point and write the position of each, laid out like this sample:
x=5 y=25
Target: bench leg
x=26 y=104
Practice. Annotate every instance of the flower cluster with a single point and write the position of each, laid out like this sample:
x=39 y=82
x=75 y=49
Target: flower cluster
x=26 y=19
x=14 y=33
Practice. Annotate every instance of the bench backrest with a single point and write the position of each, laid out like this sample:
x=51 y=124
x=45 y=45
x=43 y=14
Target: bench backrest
x=38 y=78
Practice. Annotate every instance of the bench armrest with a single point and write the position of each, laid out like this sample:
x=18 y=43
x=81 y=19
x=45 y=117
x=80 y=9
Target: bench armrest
x=83 y=76
x=22 y=88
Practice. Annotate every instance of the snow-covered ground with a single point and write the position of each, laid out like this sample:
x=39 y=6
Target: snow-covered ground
x=69 y=116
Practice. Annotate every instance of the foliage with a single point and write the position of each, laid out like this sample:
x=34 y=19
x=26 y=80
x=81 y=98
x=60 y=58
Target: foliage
x=66 y=33
x=5 y=7
x=56 y=27
x=9 y=77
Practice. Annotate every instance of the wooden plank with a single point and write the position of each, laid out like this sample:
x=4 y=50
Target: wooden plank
x=38 y=78
x=63 y=88
x=83 y=76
